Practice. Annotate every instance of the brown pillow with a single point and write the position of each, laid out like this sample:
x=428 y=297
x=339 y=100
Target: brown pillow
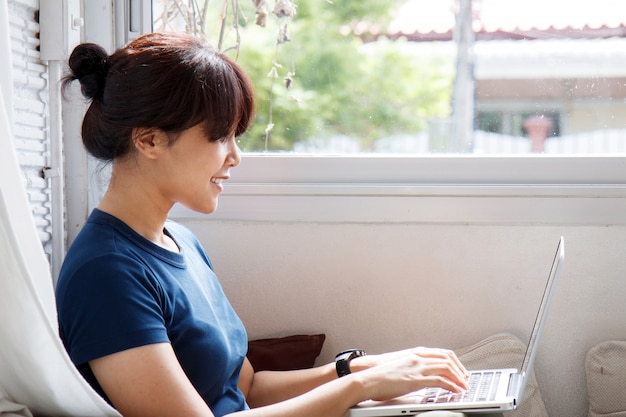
x=285 y=353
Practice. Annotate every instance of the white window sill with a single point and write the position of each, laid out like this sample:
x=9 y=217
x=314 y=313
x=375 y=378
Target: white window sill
x=425 y=189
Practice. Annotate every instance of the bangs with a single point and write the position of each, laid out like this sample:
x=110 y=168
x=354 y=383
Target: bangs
x=225 y=97
x=180 y=81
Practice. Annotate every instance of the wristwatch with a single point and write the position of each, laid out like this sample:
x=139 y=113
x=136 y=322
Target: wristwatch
x=342 y=360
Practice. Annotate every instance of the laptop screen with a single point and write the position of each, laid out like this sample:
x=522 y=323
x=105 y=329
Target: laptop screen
x=546 y=299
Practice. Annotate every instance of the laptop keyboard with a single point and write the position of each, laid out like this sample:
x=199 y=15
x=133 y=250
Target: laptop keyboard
x=483 y=386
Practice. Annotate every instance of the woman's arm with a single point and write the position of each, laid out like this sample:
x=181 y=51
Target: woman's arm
x=427 y=367
x=148 y=382
x=269 y=387
x=384 y=377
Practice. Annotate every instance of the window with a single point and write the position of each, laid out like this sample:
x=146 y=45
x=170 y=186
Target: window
x=341 y=151
x=383 y=77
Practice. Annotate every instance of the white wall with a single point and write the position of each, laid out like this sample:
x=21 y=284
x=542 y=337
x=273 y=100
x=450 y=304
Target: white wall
x=387 y=253
x=382 y=286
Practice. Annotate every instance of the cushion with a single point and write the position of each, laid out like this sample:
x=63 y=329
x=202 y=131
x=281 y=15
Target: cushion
x=285 y=353
x=505 y=351
x=35 y=370
x=605 y=369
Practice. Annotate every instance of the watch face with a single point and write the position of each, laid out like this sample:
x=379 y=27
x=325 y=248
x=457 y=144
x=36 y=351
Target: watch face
x=343 y=355
x=350 y=353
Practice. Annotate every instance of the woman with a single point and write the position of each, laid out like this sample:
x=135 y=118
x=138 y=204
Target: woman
x=140 y=310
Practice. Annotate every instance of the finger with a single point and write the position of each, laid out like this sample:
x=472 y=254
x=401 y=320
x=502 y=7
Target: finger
x=439 y=381
x=458 y=362
x=447 y=372
x=443 y=354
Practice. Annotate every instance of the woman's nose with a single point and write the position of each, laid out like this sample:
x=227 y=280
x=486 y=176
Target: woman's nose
x=234 y=153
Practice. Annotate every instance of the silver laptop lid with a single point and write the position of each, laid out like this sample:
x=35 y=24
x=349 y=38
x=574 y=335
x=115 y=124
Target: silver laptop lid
x=546 y=300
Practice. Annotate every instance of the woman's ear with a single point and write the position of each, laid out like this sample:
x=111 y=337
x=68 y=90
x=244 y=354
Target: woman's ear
x=149 y=141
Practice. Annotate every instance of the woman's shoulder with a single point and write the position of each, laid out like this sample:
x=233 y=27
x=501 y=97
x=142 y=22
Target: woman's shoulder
x=105 y=245
x=102 y=235
x=101 y=262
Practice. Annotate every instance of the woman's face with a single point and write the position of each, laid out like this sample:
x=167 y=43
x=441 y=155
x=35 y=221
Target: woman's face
x=191 y=170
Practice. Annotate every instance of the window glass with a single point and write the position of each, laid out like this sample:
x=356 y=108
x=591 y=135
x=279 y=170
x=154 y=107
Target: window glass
x=423 y=76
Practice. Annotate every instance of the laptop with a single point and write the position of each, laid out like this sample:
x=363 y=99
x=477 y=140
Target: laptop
x=491 y=390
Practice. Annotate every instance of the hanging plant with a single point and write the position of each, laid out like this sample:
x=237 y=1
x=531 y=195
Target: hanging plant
x=191 y=16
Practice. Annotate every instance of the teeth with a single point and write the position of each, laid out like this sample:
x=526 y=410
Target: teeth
x=216 y=180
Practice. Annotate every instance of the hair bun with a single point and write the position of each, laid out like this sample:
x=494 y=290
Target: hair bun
x=90 y=64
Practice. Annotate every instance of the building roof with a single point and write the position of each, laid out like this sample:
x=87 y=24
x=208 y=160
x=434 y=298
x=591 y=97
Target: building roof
x=428 y=20
x=551 y=58
x=534 y=59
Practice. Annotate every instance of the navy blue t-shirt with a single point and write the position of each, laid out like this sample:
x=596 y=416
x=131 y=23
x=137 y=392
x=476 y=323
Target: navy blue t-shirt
x=117 y=290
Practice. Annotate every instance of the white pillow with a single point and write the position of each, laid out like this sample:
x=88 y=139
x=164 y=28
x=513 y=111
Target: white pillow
x=605 y=369
x=505 y=351
x=35 y=370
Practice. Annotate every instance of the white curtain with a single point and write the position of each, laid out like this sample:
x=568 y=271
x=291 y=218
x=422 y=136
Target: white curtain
x=36 y=373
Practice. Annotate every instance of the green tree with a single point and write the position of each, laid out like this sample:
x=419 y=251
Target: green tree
x=327 y=82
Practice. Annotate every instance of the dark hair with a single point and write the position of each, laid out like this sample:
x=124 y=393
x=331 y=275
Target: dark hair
x=169 y=81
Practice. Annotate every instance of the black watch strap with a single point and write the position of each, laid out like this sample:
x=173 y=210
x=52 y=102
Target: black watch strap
x=342 y=360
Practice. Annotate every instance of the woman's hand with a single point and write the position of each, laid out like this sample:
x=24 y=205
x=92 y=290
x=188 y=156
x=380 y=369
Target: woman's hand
x=377 y=377
x=393 y=374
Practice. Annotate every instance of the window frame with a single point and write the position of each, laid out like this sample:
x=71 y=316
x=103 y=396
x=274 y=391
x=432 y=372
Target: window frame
x=371 y=188
x=539 y=189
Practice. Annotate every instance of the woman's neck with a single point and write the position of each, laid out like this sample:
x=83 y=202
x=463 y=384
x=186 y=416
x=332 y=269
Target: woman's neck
x=138 y=205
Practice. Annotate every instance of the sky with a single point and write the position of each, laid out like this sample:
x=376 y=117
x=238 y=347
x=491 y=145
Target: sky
x=437 y=15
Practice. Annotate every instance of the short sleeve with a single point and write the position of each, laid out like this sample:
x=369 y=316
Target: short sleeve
x=108 y=305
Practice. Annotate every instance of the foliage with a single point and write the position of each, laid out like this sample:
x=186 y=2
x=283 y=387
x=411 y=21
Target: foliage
x=338 y=86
